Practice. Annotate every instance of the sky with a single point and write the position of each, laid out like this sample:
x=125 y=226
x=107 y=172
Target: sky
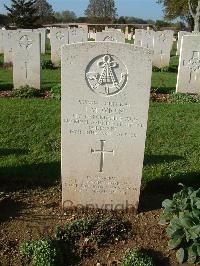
x=146 y=9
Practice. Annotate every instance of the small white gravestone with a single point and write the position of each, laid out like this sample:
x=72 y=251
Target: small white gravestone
x=105 y=100
x=180 y=35
x=144 y=38
x=26 y=59
x=126 y=32
x=8 y=36
x=1 y=41
x=58 y=37
x=163 y=41
x=110 y=36
x=77 y=35
x=188 y=80
x=43 y=33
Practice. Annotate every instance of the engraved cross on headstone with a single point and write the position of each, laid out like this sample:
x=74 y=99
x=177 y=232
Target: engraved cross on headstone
x=102 y=151
x=161 y=55
x=60 y=35
x=26 y=69
x=193 y=64
x=25 y=42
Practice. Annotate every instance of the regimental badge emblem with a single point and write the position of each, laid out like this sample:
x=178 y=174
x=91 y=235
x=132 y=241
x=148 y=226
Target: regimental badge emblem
x=109 y=39
x=106 y=75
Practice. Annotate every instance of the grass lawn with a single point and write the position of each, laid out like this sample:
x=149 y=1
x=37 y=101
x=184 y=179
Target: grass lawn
x=30 y=143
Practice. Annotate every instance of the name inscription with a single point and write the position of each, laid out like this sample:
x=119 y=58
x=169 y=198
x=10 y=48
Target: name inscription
x=109 y=119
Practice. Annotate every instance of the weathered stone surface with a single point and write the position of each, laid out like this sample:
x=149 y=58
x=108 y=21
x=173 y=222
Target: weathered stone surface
x=43 y=33
x=163 y=41
x=26 y=59
x=110 y=36
x=8 y=37
x=188 y=80
x=1 y=41
x=144 y=38
x=180 y=35
x=77 y=35
x=105 y=100
x=58 y=37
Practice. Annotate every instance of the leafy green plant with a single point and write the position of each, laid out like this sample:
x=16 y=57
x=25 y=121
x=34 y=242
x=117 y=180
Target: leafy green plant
x=56 y=92
x=43 y=252
x=137 y=258
x=25 y=92
x=182 y=215
x=47 y=64
x=184 y=98
x=73 y=231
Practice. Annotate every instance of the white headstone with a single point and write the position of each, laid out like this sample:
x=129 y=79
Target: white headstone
x=8 y=36
x=43 y=33
x=58 y=37
x=1 y=41
x=77 y=35
x=188 y=80
x=105 y=100
x=180 y=35
x=163 y=41
x=110 y=36
x=26 y=59
x=126 y=32
x=144 y=38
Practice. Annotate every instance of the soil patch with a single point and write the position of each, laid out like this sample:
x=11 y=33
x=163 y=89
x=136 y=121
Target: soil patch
x=28 y=215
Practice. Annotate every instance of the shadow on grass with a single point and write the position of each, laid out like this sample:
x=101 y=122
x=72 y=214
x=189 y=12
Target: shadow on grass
x=7 y=152
x=6 y=87
x=157 y=159
x=29 y=176
x=164 y=90
x=155 y=191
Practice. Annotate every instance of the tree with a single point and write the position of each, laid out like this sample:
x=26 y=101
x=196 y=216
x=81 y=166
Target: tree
x=101 y=9
x=179 y=9
x=196 y=16
x=65 y=16
x=22 y=13
x=44 y=11
x=3 y=20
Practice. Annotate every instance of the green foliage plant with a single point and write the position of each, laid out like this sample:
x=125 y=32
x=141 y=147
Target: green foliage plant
x=43 y=252
x=137 y=258
x=25 y=92
x=182 y=217
x=56 y=92
x=47 y=64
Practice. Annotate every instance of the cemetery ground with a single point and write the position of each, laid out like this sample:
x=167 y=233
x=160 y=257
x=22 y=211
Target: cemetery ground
x=30 y=199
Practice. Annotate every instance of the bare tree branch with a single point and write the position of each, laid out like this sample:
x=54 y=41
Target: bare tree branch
x=190 y=8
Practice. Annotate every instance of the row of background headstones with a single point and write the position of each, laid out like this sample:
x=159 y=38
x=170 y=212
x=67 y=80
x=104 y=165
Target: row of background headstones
x=160 y=42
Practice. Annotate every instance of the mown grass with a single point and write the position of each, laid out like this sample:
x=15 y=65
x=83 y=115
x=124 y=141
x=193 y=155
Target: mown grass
x=30 y=144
